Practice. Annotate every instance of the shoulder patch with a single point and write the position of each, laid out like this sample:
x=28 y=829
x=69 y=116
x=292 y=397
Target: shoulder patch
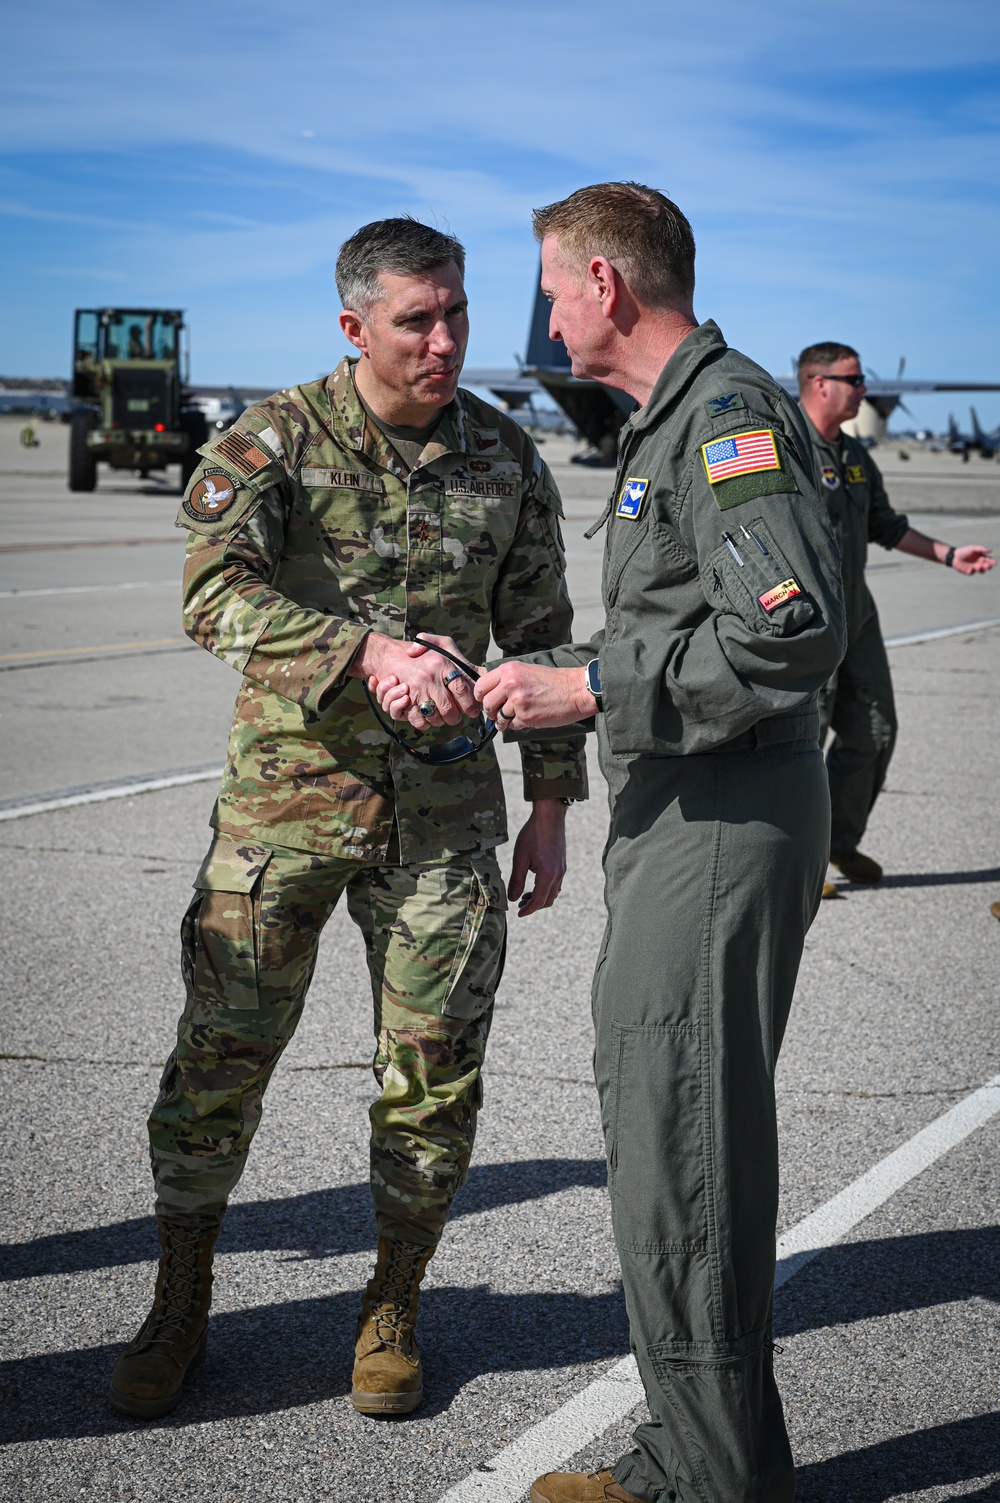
x=719 y=406
x=210 y=496
x=742 y=466
x=632 y=498
x=740 y=454
x=856 y=474
x=242 y=452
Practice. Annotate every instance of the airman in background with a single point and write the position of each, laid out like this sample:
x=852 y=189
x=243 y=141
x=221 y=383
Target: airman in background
x=329 y=524
x=857 y=703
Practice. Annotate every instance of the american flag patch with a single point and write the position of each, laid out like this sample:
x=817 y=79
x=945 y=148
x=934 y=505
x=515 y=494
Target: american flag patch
x=241 y=451
x=740 y=454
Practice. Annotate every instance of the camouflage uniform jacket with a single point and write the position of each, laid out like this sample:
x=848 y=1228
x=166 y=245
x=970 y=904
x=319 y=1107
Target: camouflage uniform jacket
x=307 y=531
x=861 y=513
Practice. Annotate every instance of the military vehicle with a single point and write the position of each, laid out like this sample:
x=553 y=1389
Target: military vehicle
x=131 y=406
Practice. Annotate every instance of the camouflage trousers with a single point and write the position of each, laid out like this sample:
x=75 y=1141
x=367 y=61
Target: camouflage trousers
x=435 y=938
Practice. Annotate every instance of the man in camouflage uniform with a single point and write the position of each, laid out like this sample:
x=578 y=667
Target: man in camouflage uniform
x=332 y=522
x=857 y=702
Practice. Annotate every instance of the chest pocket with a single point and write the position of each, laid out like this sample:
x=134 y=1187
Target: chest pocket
x=343 y=519
x=762 y=589
x=479 y=515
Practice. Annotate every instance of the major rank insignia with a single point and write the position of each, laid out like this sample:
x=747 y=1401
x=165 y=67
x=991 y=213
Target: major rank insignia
x=740 y=454
x=786 y=590
x=855 y=474
x=829 y=477
x=214 y=493
x=633 y=495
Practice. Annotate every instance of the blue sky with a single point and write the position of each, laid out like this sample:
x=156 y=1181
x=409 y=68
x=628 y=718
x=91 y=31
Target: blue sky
x=839 y=164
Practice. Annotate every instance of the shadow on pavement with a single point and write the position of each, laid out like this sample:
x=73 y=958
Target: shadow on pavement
x=322 y=1224
x=888 y=1276
x=300 y=1353
x=940 y=1457
x=933 y=879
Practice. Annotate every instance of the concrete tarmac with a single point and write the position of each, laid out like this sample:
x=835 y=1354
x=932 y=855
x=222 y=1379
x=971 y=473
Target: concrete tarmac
x=888 y=1342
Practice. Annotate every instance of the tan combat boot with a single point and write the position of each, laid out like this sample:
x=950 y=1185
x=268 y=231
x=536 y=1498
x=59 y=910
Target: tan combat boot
x=579 y=1487
x=147 y=1380
x=387 y=1377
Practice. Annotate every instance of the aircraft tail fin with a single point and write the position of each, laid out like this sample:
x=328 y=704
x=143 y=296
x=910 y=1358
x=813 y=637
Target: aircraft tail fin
x=977 y=432
x=541 y=350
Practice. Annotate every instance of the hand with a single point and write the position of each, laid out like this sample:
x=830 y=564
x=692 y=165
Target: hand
x=405 y=675
x=972 y=559
x=540 y=848
x=521 y=696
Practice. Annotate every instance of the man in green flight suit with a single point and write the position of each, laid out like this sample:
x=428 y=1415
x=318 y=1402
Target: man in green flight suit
x=333 y=521
x=857 y=702
x=724 y=618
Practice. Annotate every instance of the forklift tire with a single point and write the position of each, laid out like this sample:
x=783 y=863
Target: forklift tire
x=82 y=462
x=194 y=424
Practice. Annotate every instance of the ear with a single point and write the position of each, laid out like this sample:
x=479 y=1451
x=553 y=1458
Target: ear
x=603 y=283
x=354 y=330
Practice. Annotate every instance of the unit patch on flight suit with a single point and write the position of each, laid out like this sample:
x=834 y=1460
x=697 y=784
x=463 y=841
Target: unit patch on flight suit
x=630 y=502
x=214 y=493
x=782 y=592
x=719 y=406
x=855 y=474
x=829 y=477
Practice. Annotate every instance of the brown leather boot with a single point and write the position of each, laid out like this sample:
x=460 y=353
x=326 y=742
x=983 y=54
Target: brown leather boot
x=579 y=1487
x=858 y=867
x=829 y=889
x=387 y=1376
x=147 y=1380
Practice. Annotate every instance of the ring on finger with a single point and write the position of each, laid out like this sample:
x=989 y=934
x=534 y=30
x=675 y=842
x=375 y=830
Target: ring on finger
x=502 y=716
x=427 y=707
x=455 y=673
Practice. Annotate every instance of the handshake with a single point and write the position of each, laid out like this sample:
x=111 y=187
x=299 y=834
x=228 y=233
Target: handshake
x=426 y=688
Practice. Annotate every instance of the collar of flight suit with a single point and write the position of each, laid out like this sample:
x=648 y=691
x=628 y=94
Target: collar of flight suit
x=699 y=347
x=353 y=424
x=838 y=447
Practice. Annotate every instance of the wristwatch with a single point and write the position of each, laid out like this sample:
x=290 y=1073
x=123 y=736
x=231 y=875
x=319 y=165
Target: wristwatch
x=593 y=671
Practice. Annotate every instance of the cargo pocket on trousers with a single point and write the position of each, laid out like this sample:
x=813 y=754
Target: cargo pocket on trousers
x=219 y=933
x=479 y=955
x=655 y=1150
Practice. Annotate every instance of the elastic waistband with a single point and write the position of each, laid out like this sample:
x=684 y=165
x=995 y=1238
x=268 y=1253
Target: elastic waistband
x=802 y=726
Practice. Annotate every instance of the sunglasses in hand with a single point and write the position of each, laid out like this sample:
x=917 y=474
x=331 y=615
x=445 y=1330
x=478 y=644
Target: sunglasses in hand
x=458 y=748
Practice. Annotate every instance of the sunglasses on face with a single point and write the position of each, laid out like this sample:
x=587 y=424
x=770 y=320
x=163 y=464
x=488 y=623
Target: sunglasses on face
x=854 y=381
x=459 y=747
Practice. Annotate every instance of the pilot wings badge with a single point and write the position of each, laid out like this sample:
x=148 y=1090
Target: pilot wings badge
x=633 y=495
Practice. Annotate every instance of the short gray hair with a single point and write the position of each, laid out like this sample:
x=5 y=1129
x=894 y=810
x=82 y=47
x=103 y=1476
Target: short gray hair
x=404 y=247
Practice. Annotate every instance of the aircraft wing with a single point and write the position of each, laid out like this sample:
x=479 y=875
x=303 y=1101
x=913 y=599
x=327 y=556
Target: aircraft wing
x=877 y=388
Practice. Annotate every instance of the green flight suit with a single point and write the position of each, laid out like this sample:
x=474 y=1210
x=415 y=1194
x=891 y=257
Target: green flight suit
x=307 y=530
x=711 y=658
x=857 y=702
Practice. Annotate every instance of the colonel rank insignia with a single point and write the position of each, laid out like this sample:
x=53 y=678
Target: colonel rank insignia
x=740 y=454
x=632 y=498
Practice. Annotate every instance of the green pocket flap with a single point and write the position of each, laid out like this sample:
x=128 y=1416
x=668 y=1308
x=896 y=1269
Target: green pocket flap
x=232 y=866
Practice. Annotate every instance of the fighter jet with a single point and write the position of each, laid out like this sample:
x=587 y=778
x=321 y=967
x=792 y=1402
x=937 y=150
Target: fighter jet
x=988 y=444
x=598 y=412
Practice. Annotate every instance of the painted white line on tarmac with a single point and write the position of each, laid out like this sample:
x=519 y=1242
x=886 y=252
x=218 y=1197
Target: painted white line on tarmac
x=89 y=589
x=99 y=795
x=942 y=631
x=505 y=1478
